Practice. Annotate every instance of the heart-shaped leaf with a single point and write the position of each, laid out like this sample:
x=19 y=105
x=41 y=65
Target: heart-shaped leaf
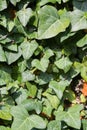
x=64 y=63
x=24 y=15
x=40 y=65
x=71 y=117
x=24 y=121
x=50 y=24
x=28 y=48
x=59 y=87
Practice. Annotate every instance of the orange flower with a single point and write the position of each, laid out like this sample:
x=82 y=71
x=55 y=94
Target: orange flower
x=84 y=89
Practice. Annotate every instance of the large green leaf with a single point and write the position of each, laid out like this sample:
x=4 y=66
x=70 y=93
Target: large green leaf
x=50 y=24
x=78 y=20
x=71 y=117
x=24 y=15
x=3 y=5
x=64 y=63
x=24 y=121
x=58 y=87
x=28 y=48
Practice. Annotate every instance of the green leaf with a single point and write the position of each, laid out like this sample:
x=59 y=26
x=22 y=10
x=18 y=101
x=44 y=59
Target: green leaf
x=12 y=47
x=54 y=125
x=84 y=124
x=31 y=104
x=5 y=114
x=58 y=87
x=32 y=89
x=70 y=95
x=78 y=20
x=50 y=24
x=43 y=78
x=28 y=48
x=5 y=77
x=24 y=121
x=3 y=5
x=3 y=21
x=48 y=53
x=19 y=26
x=84 y=73
x=13 y=56
x=54 y=101
x=41 y=65
x=10 y=25
x=22 y=66
x=24 y=15
x=27 y=76
x=4 y=128
x=47 y=107
x=2 y=54
x=20 y=95
x=46 y=1
x=82 y=42
x=71 y=117
x=78 y=66
x=64 y=63
x=14 y=2
x=80 y=4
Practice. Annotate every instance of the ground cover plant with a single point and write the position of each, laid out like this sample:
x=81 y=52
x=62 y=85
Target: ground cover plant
x=43 y=64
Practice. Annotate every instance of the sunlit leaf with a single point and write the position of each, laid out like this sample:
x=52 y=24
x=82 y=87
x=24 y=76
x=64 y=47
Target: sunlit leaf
x=58 y=87
x=50 y=24
x=40 y=65
x=24 y=15
x=3 y=5
x=2 y=54
x=22 y=120
x=71 y=117
x=64 y=64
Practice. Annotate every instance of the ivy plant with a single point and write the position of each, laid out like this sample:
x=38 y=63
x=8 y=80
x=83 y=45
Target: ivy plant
x=43 y=64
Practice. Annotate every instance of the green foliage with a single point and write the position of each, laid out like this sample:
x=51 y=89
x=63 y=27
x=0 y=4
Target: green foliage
x=43 y=55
